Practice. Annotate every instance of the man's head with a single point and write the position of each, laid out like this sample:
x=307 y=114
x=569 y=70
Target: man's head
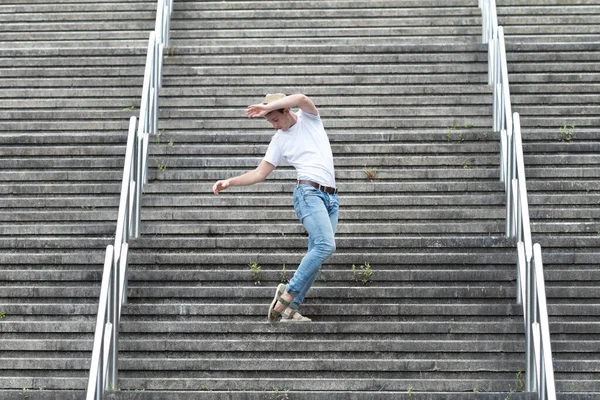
x=282 y=118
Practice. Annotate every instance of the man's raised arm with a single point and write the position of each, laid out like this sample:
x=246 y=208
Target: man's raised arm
x=301 y=101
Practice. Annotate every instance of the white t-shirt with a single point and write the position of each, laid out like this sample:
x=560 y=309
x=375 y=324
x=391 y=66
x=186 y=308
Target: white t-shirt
x=306 y=147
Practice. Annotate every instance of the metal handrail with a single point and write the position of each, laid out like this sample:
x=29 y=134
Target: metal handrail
x=531 y=291
x=113 y=290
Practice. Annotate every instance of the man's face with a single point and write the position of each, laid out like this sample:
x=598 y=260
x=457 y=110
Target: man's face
x=280 y=120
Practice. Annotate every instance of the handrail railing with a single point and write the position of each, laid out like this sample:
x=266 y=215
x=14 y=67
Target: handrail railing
x=531 y=291
x=113 y=290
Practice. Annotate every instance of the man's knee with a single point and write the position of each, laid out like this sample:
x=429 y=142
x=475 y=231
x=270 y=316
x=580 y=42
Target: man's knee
x=326 y=247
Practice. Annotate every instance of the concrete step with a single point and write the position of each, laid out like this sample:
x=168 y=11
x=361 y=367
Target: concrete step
x=348 y=174
x=480 y=227
x=276 y=394
x=189 y=32
x=338 y=11
x=414 y=291
x=467 y=309
x=279 y=242
x=82 y=104
x=241 y=259
x=328 y=311
x=270 y=273
x=253 y=200
x=389 y=135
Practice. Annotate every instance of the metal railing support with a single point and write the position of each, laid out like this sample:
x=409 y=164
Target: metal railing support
x=113 y=293
x=531 y=293
x=96 y=383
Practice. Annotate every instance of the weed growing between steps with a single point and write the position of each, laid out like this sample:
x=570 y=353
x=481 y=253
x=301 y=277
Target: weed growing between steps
x=567 y=133
x=467 y=162
x=280 y=394
x=255 y=273
x=2 y=314
x=363 y=274
x=371 y=172
x=458 y=130
x=161 y=165
x=132 y=107
x=519 y=385
x=24 y=394
x=283 y=278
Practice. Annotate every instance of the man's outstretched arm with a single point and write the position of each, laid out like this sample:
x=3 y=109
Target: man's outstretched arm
x=249 y=178
x=301 y=101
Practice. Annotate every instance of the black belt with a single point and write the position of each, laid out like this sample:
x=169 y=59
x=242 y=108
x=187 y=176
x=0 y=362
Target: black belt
x=326 y=189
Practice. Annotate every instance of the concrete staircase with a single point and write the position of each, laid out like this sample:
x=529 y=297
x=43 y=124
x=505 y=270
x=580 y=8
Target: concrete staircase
x=437 y=314
x=402 y=89
x=554 y=52
x=64 y=110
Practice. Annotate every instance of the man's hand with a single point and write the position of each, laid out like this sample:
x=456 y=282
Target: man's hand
x=220 y=186
x=257 y=111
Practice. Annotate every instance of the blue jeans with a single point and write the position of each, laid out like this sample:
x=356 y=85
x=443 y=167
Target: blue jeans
x=318 y=212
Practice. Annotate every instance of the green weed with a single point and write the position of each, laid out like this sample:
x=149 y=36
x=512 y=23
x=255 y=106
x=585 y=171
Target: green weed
x=280 y=394
x=132 y=107
x=519 y=383
x=161 y=165
x=255 y=272
x=362 y=274
x=371 y=172
x=283 y=278
x=467 y=162
x=567 y=133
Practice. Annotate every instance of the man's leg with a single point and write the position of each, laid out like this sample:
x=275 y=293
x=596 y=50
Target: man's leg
x=333 y=220
x=318 y=212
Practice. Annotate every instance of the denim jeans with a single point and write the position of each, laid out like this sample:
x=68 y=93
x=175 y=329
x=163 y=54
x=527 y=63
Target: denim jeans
x=318 y=212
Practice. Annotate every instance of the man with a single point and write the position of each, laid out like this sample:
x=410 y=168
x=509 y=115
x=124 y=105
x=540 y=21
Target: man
x=300 y=140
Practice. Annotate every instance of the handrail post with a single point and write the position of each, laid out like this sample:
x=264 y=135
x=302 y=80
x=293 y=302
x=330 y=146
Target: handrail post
x=529 y=353
x=547 y=382
x=531 y=293
x=113 y=292
x=96 y=384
